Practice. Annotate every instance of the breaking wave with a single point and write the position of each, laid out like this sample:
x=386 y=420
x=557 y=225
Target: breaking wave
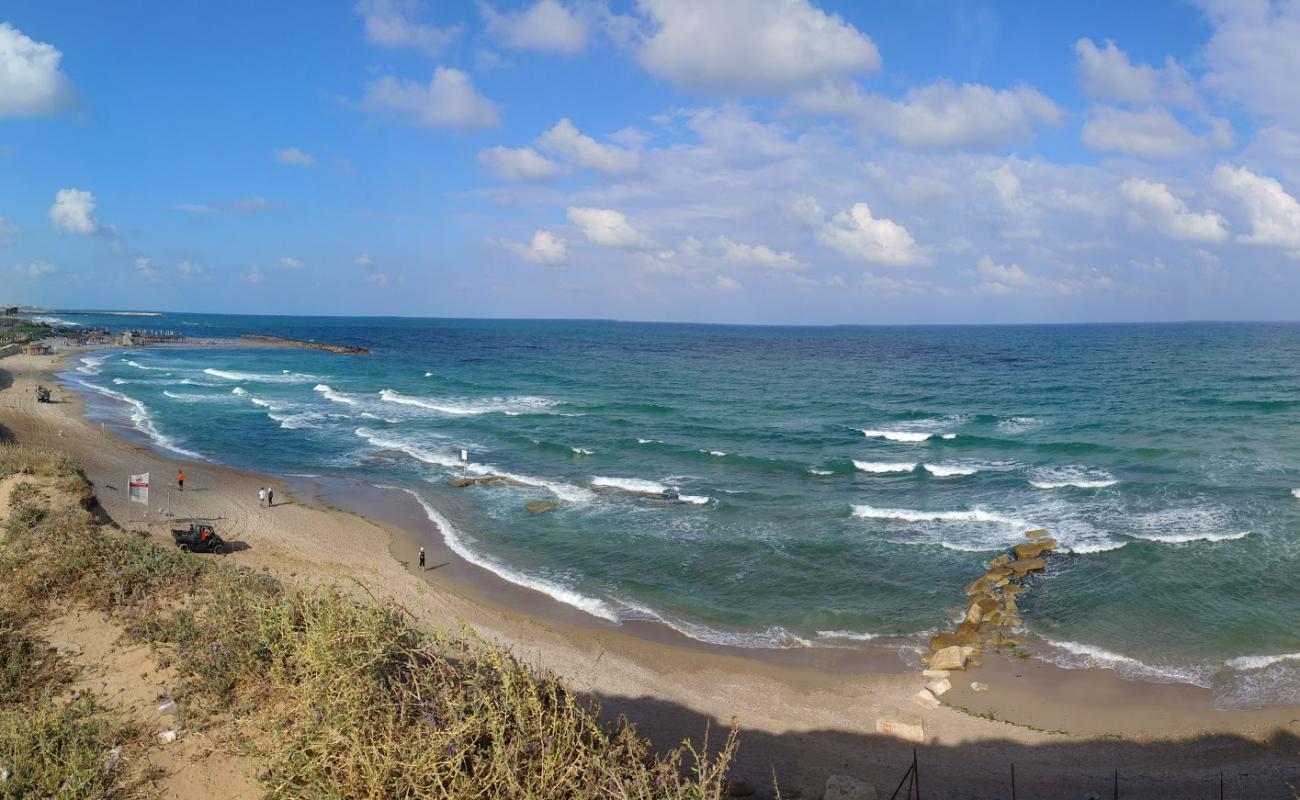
x=469 y=407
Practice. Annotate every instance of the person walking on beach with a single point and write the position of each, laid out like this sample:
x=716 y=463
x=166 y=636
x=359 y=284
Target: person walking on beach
x=180 y=479
x=261 y=497
x=422 y=559
x=270 y=497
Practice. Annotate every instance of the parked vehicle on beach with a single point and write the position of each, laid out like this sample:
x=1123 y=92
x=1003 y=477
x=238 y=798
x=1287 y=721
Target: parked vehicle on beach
x=42 y=394
x=199 y=538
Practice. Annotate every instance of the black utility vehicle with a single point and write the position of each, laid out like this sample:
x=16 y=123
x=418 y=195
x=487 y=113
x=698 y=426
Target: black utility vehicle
x=198 y=538
x=42 y=394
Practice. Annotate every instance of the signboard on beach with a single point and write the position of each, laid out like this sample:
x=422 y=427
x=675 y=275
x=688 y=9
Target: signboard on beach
x=138 y=489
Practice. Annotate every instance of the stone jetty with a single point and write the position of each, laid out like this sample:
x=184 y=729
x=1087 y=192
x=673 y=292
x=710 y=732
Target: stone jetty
x=986 y=621
x=341 y=349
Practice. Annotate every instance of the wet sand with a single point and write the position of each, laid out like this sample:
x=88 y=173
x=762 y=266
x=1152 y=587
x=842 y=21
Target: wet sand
x=804 y=713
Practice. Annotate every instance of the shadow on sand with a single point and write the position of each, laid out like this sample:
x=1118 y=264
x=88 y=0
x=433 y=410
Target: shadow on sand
x=802 y=761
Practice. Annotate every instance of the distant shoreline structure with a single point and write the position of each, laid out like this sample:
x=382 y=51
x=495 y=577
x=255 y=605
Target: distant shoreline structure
x=332 y=348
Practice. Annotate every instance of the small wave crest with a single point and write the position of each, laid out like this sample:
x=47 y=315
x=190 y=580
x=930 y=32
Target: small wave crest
x=882 y=467
x=511 y=406
x=143 y=421
x=910 y=437
x=633 y=485
x=1071 y=476
x=260 y=377
x=333 y=396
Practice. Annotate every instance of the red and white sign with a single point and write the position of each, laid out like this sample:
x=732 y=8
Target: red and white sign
x=138 y=489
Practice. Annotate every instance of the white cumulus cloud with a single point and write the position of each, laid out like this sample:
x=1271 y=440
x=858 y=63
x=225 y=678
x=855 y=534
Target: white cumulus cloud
x=1273 y=213
x=1150 y=133
x=545 y=248
x=190 y=269
x=605 y=226
x=941 y=115
x=289 y=262
x=449 y=100
x=74 y=212
x=759 y=255
x=751 y=46
x=547 y=26
x=35 y=270
x=857 y=234
x=1106 y=73
x=567 y=141
x=391 y=24
x=519 y=164
x=31 y=83
x=1153 y=203
x=144 y=269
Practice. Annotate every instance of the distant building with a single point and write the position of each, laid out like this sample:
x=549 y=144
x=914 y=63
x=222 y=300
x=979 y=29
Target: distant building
x=11 y=311
x=36 y=350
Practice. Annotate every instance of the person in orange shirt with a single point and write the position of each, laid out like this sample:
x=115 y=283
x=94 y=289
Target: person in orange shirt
x=180 y=479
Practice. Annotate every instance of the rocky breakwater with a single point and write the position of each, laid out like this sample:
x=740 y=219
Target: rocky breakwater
x=341 y=349
x=988 y=621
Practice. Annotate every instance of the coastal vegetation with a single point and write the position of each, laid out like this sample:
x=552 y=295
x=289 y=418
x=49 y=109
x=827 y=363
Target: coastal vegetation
x=17 y=330
x=332 y=692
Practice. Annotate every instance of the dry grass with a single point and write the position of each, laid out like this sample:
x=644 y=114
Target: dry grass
x=338 y=697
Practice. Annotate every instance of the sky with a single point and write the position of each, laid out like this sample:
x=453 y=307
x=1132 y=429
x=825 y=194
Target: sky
x=732 y=161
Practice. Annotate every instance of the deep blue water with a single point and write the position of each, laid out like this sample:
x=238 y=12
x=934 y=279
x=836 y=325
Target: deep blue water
x=794 y=486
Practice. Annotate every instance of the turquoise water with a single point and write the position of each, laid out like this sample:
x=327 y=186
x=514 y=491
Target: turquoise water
x=788 y=487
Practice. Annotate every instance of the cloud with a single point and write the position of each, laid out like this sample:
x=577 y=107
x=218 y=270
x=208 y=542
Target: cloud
x=759 y=255
x=521 y=164
x=449 y=100
x=857 y=234
x=606 y=226
x=8 y=228
x=254 y=274
x=377 y=279
x=190 y=269
x=244 y=205
x=942 y=115
x=726 y=283
x=35 y=270
x=289 y=262
x=144 y=269
x=1274 y=214
x=364 y=261
x=545 y=248
x=889 y=286
x=389 y=24
x=1005 y=279
x=750 y=46
x=567 y=141
x=1154 y=203
x=1252 y=57
x=31 y=83
x=296 y=157
x=74 y=212
x=1150 y=133
x=1107 y=74
x=547 y=26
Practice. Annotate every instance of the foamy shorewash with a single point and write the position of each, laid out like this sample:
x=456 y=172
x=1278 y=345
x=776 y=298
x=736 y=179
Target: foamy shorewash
x=992 y=608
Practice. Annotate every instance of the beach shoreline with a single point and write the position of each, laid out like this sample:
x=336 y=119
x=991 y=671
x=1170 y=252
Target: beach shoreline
x=328 y=531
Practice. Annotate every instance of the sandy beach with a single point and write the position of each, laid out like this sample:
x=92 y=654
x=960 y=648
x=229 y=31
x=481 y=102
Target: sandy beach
x=803 y=713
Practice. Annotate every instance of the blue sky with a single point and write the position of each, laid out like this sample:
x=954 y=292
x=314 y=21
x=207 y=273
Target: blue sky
x=779 y=161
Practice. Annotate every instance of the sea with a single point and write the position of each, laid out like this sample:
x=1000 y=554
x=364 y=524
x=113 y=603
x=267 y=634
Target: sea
x=798 y=487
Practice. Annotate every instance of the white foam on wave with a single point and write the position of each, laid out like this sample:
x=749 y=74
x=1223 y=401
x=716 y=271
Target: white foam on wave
x=258 y=377
x=694 y=499
x=714 y=453
x=368 y=415
x=634 y=485
x=56 y=322
x=773 y=638
x=1071 y=476
x=457 y=543
x=1202 y=522
x=855 y=636
x=192 y=382
x=511 y=406
x=911 y=437
x=815 y=471
x=240 y=391
x=909 y=515
x=1183 y=538
x=333 y=396
x=564 y=491
x=582 y=451
x=91 y=363
x=1260 y=662
x=1076 y=655
x=648 y=441
x=1295 y=493
x=143 y=422
x=1014 y=425
x=882 y=467
x=138 y=365
x=196 y=398
x=949 y=470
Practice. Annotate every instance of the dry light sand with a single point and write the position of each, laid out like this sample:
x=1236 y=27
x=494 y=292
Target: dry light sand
x=804 y=715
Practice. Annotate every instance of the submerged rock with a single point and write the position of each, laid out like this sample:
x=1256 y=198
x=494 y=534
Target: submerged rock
x=539 y=506
x=1024 y=566
x=460 y=483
